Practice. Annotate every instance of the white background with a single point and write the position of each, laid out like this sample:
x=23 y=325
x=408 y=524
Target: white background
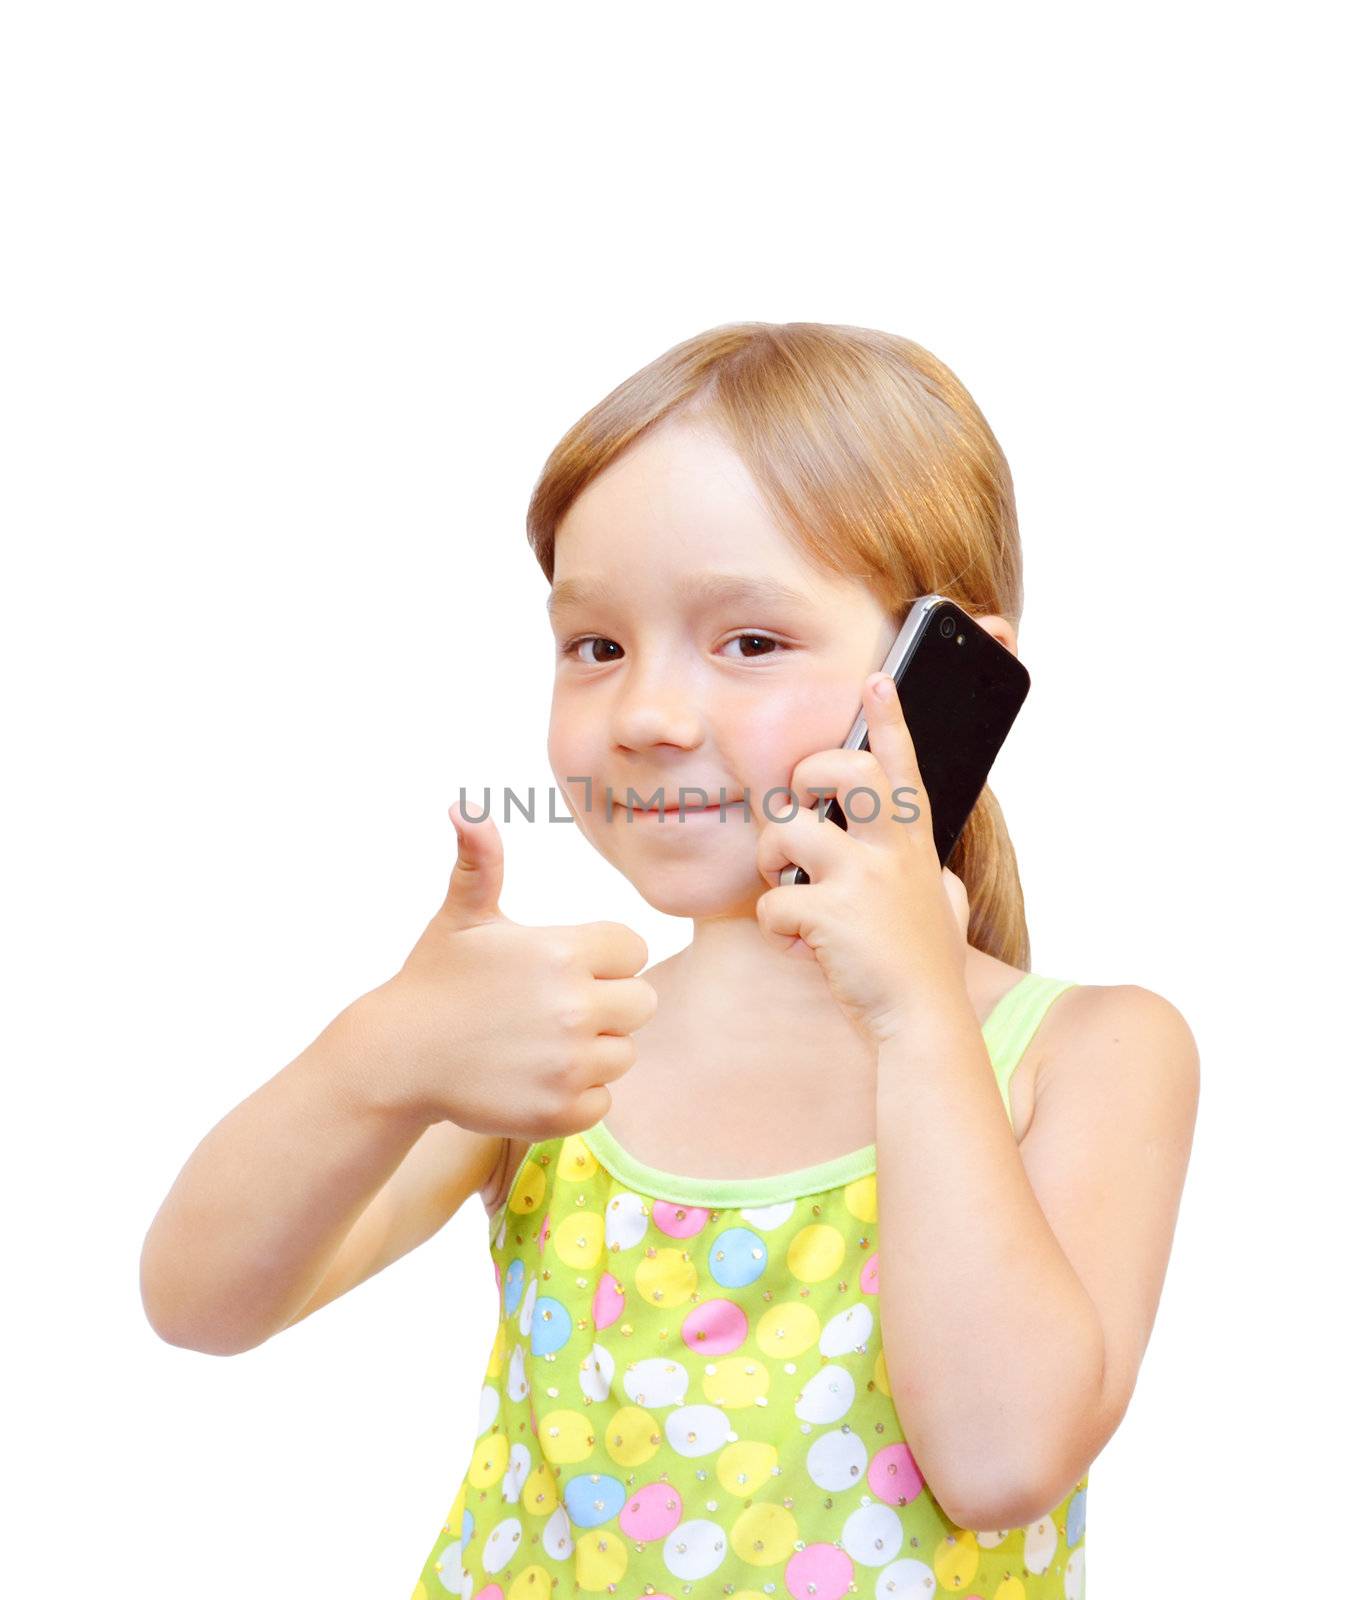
x=299 y=298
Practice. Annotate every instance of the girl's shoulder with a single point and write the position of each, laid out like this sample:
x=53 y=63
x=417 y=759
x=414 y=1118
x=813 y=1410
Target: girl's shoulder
x=1093 y=1029
x=1092 y=1006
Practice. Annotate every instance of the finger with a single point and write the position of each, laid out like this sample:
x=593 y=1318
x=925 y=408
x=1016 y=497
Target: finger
x=891 y=742
x=856 y=780
x=804 y=840
x=788 y=914
x=623 y=1005
x=611 y=949
x=606 y=1058
x=473 y=891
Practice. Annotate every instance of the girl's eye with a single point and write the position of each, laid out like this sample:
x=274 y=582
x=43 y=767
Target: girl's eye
x=756 y=638
x=573 y=647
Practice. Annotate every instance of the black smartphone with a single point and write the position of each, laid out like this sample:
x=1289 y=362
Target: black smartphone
x=960 y=690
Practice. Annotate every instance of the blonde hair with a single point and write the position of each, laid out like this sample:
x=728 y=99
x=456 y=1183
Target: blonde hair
x=873 y=457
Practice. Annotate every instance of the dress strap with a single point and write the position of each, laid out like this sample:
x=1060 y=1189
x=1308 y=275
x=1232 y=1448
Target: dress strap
x=1014 y=1021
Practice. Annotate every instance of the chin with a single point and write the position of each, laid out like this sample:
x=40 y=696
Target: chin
x=685 y=894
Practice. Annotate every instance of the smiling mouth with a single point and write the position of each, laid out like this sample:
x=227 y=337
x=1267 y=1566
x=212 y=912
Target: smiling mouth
x=671 y=811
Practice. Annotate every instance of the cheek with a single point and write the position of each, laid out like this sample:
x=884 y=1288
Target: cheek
x=569 y=754
x=783 y=731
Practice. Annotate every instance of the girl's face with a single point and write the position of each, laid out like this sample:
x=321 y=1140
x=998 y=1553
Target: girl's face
x=695 y=650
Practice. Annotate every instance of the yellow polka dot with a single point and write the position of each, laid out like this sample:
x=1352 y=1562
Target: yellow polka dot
x=488 y=1460
x=764 y=1534
x=787 y=1330
x=880 y=1373
x=815 y=1253
x=667 y=1279
x=956 y=1559
x=736 y=1382
x=420 y=1592
x=860 y=1196
x=632 y=1436
x=601 y=1559
x=529 y=1186
x=1010 y=1588
x=576 y=1163
x=530 y=1583
x=540 y=1491
x=745 y=1467
x=579 y=1238
x=566 y=1436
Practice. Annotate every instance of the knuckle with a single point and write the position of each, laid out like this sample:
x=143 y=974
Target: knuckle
x=561 y=953
x=572 y=1016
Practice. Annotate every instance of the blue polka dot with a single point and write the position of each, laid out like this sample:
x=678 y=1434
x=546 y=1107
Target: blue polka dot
x=737 y=1257
x=593 y=1498
x=551 y=1326
x=1075 y=1518
x=514 y=1284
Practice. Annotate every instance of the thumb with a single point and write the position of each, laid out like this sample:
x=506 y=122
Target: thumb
x=473 y=893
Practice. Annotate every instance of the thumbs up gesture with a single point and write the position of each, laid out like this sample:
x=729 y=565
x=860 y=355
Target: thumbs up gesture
x=504 y=1028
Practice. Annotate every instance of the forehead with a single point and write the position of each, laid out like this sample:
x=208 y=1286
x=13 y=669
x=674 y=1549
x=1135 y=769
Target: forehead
x=705 y=589
x=679 y=512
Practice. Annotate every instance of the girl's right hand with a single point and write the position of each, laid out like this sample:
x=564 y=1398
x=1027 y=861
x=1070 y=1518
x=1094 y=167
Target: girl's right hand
x=506 y=1029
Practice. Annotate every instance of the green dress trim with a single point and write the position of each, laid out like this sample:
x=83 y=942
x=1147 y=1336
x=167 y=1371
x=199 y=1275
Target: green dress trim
x=1006 y=1031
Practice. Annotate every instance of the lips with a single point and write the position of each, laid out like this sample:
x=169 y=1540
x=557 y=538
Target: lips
x=667 y=811
x=671 y=811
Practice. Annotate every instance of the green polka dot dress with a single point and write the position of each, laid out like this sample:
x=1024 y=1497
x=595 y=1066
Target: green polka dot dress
x=688 y=1396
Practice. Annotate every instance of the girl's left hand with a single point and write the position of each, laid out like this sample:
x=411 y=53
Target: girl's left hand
x=885 y=922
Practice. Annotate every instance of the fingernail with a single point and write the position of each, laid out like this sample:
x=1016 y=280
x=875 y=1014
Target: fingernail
x=885 y=686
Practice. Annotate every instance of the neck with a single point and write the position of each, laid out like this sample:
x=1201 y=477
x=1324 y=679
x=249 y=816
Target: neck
x=730 y=968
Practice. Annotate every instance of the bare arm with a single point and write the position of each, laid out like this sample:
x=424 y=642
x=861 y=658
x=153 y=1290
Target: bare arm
x=445 y=1167
x=1016 y=1315
x=367 y=1142
x=254 y=1226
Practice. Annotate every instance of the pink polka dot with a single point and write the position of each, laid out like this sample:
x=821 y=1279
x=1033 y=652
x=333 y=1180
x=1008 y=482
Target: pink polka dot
x=894 y=1475
x=544 y=1230
x=715 y=1328
x=492 y=1591
x=608 y=1305
x=870 y=1279
x=818 y=1572
x=651 y=1512
x=678 y=1221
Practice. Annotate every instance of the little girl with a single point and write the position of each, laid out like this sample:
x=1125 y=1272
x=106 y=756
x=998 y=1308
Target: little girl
x=858 y=1283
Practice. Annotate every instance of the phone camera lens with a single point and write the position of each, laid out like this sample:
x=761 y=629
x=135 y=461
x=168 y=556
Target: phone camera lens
x=947 y=627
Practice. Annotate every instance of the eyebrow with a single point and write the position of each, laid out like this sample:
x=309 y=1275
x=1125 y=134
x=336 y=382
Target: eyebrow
x=706 y=588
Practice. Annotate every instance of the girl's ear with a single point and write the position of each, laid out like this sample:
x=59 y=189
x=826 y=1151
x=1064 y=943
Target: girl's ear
x=1002 y=629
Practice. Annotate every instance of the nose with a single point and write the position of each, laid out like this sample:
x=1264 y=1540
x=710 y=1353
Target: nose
x=654 y=708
